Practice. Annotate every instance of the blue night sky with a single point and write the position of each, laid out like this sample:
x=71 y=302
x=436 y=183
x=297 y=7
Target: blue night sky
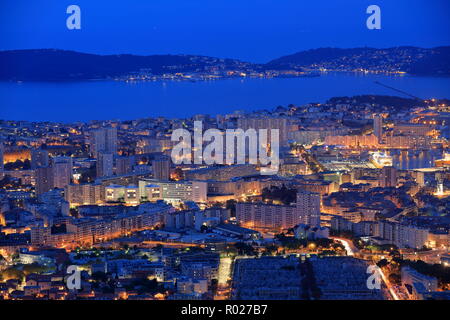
x=256 y=30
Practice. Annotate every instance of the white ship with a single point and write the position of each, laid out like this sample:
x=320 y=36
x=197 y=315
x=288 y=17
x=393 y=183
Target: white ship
x=381 y=159
x=445 y=162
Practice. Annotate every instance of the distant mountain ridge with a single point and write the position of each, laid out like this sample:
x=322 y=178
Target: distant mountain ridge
x=54 y=65
x=414 y=60
x=62 y=65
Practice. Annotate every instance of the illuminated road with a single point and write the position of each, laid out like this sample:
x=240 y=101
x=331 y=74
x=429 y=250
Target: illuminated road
x=351 y=250
x=224 y=270
x=171 y=244
x=388 y=285
x=348 y=245
x=309 y=159
x=223 y=289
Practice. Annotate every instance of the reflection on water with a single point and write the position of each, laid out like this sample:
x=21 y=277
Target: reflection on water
x=101 y=100
x=414 y=159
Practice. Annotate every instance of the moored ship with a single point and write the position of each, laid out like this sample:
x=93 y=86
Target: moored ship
x=445 y=162
x=381 y=159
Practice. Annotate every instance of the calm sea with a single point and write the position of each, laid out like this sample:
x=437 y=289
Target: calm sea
x=99 y=100
x=414 y=159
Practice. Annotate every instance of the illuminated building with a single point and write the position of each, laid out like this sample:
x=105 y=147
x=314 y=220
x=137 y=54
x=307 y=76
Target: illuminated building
x=403 y=235
x=378 y=127
x=105 y=164
x=177 y=191
x=388 y=177
x=317 y=186
x=262 y=216
x=128 y=194
x=200 y=266
x=44 y=180
x=408 y=142
x=103 y=140
x=268 y=217
x=353 y=141
x=84 y=194
x=27 y=177
x=161 y=168
x=412 y=129
x=267 y=123
x=308 y=206
x=39 y=158
x=124 y=165
x=179 y=219
x=1 y=160
x=420 y=177
x=222 y=173
x=62 y=171
x=310 y=136
x=90 y=230
x=153 y=192
x=411 y=276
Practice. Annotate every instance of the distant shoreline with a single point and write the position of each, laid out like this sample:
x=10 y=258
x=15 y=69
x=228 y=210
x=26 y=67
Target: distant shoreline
x=160 y=79
x=83 y=101
x=61 y=65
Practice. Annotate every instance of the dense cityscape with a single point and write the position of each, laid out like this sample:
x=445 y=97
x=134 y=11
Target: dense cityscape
x=224 y=159
x=363 y=182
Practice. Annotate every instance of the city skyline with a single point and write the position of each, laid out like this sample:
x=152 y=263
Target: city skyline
x=220 y=155
x=122 y=187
